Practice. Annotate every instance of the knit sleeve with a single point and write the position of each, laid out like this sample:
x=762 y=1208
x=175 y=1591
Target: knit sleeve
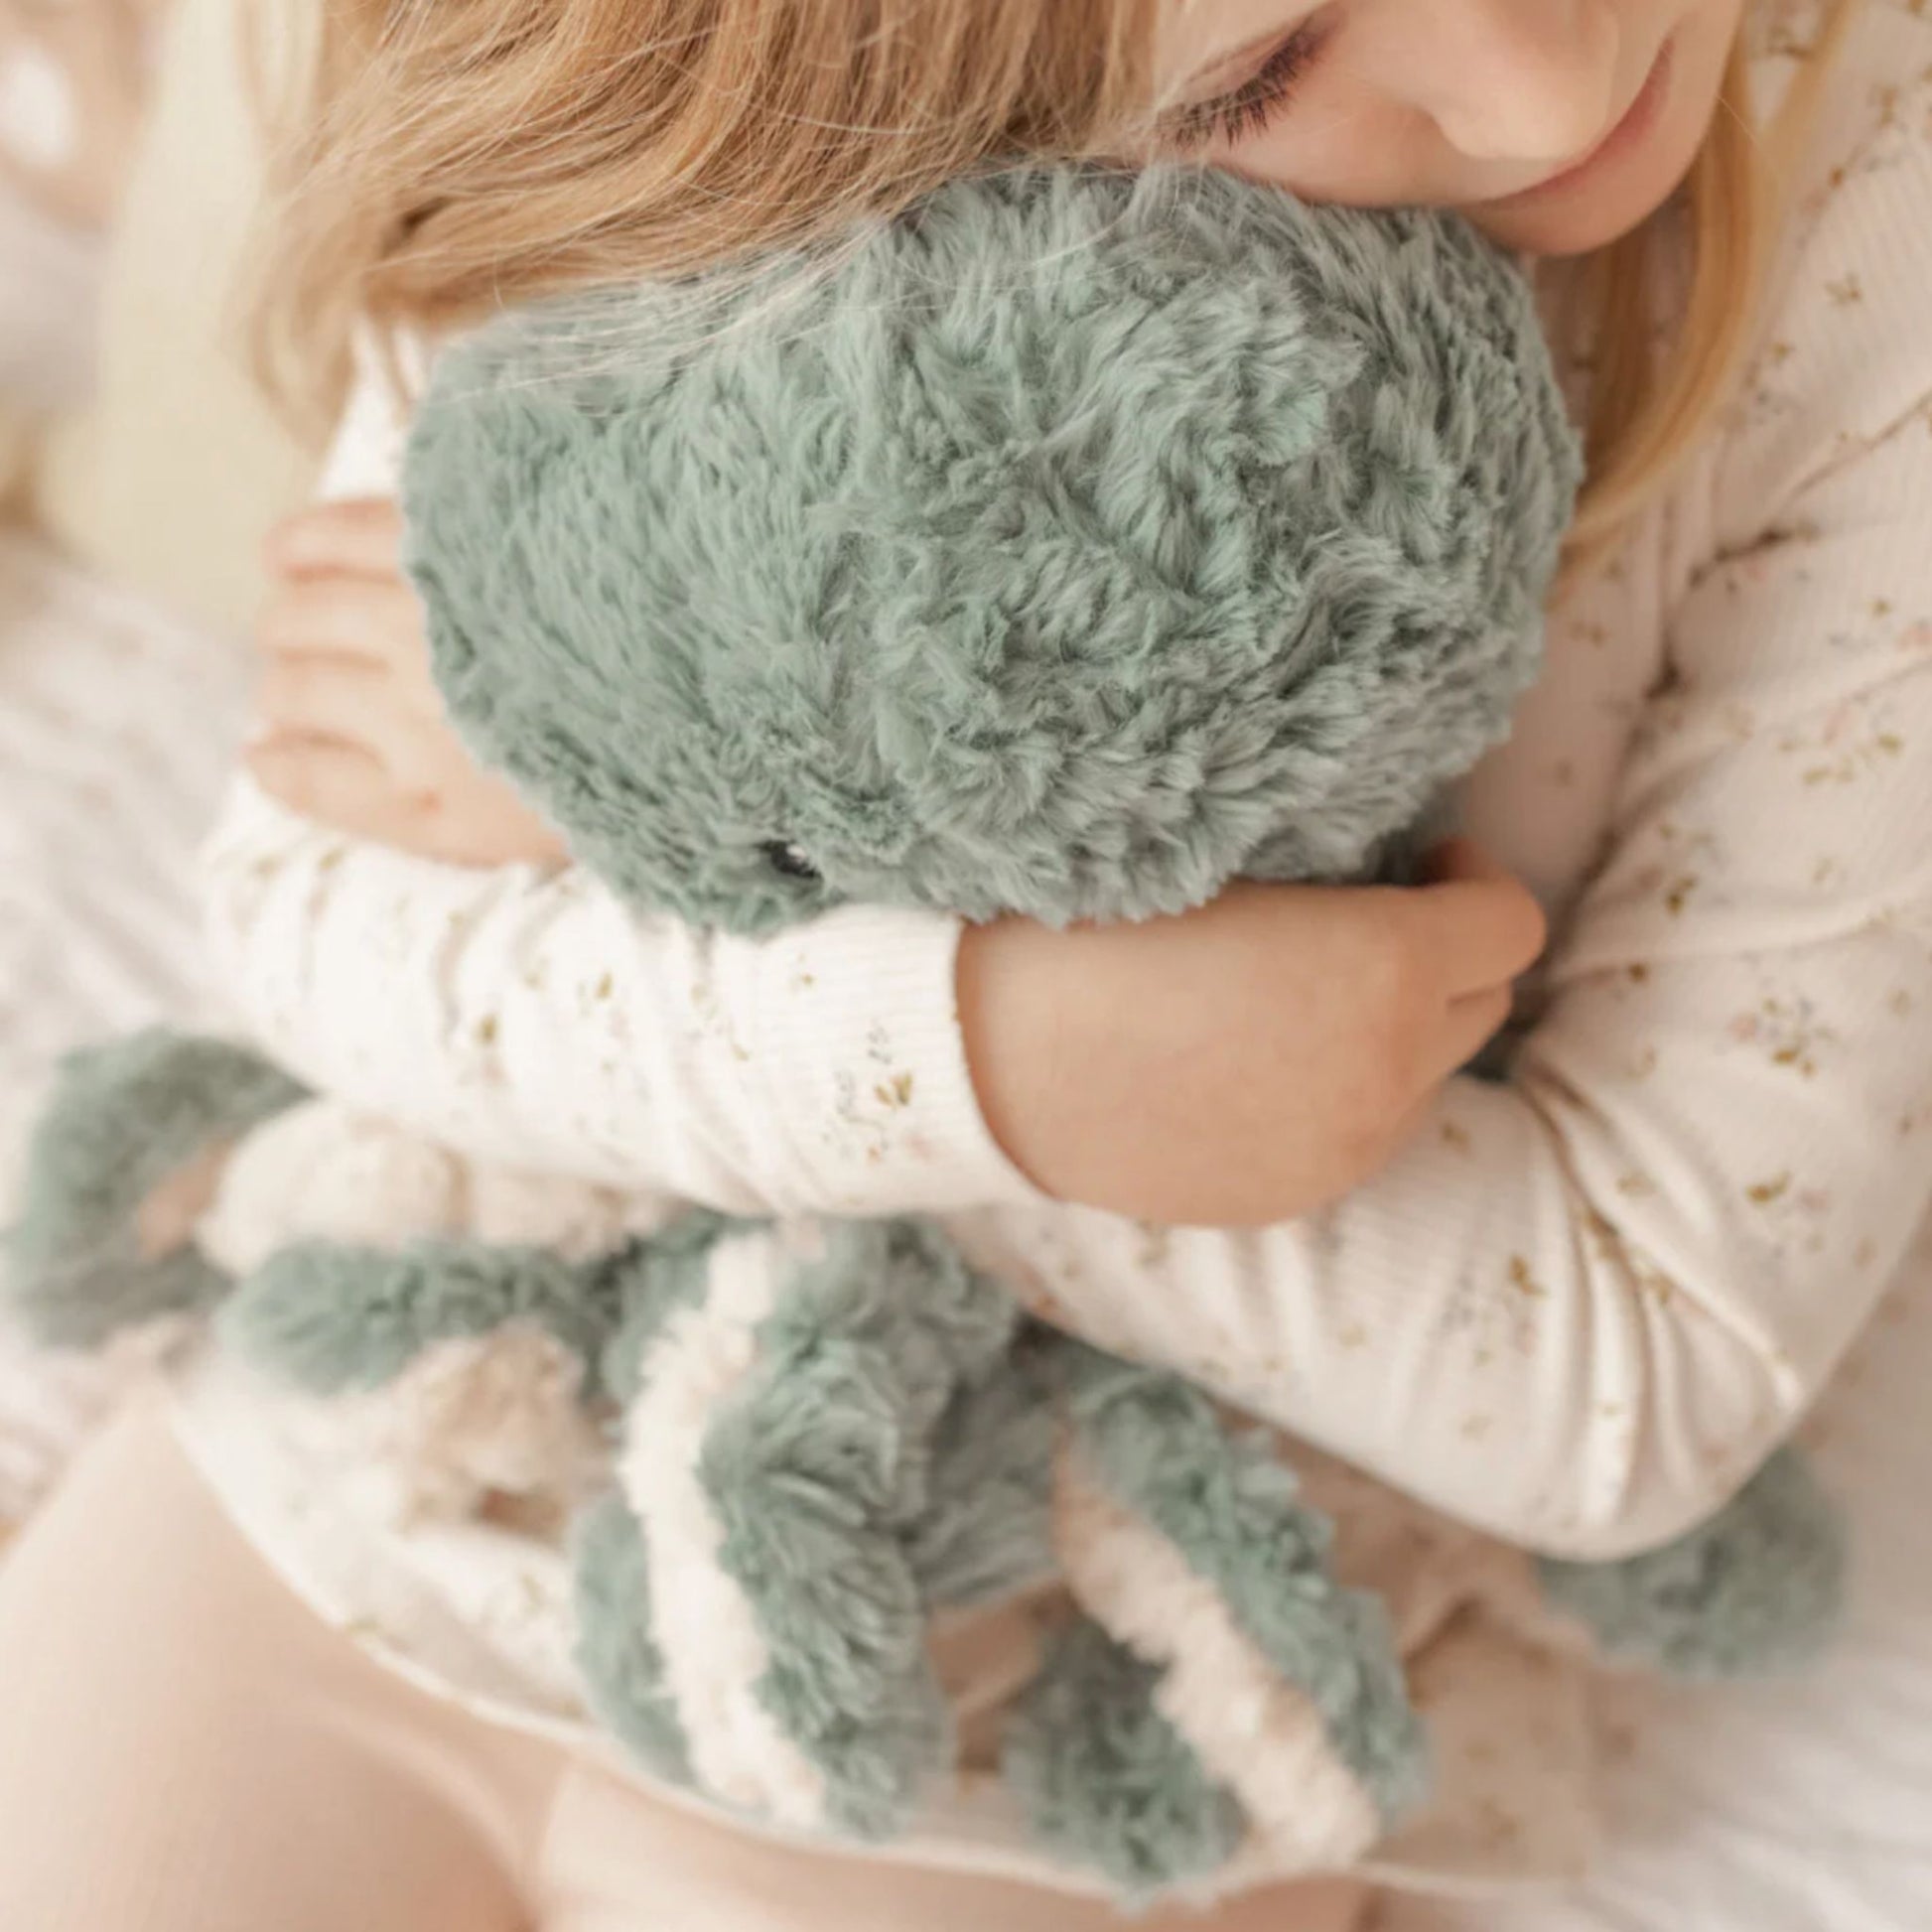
x=533 y=1019
x=1584 y=1305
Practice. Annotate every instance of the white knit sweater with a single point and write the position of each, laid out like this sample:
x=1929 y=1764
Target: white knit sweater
x=1581 y=1307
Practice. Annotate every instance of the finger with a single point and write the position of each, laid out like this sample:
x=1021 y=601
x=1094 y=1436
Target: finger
x=349 y=788
x=379 y=624
x=1468 y=1025
x=1477 y=933
x=1461 y=858
x=357 y=538
x=338 y=698
x=337 y=784
x=492 y=827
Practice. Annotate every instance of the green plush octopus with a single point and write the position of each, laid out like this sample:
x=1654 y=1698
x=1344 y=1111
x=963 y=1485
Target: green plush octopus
x=1073 y=545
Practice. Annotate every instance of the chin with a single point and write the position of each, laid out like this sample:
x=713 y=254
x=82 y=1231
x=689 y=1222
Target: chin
x=1601 y=209
x=1576 y=225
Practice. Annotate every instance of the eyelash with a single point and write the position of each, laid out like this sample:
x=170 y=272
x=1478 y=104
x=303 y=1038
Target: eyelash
x=1256 y=102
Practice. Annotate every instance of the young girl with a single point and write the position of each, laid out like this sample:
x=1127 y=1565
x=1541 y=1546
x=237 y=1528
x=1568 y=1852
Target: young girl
x=1574 y=1311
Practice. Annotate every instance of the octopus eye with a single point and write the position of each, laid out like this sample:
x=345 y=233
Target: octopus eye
x=788 y=860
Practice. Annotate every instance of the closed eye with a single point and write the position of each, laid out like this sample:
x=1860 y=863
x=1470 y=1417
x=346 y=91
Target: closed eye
x=1247 y=109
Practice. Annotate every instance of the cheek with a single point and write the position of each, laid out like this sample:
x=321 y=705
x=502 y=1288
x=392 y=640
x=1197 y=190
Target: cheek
x=1347 y=145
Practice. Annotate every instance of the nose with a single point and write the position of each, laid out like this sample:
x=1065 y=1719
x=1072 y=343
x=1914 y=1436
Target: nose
x=1529 y=81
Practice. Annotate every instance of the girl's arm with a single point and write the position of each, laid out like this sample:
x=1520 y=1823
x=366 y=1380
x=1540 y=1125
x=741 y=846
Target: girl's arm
x=518 y=1013
x=523 y=1014
x=1579 y=1308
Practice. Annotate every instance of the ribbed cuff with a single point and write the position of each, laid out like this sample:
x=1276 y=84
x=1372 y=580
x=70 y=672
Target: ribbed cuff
x=859 y=1052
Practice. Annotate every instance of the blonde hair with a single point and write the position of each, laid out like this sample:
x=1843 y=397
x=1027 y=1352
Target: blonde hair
x=1649 y=411
x=450 y=156
x=453 y=155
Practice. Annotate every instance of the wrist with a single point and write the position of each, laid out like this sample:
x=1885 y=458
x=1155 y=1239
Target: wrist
x=853 y=1051
x=1016 y=1043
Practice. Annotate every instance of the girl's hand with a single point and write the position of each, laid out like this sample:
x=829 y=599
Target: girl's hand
x=1240 y=1065
x=1248 y=1062
x=353 y=729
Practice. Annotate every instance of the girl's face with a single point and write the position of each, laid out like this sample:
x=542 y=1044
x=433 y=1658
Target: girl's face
x=1555 y=125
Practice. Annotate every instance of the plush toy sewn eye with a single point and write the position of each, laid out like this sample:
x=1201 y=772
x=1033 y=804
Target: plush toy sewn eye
x=788 y=861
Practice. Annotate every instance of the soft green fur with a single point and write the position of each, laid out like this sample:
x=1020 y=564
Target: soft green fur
x=821 y=1478
x=1232 y=1510
x=335 y=1318
x=889 y=1457
x=624 y=1676
x=1081 y=542
x=656 y=1278
x=891 y=1453
x=122 y=1120
x=1104 y=1778
x=1756 y=1589
x=989 y=1486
